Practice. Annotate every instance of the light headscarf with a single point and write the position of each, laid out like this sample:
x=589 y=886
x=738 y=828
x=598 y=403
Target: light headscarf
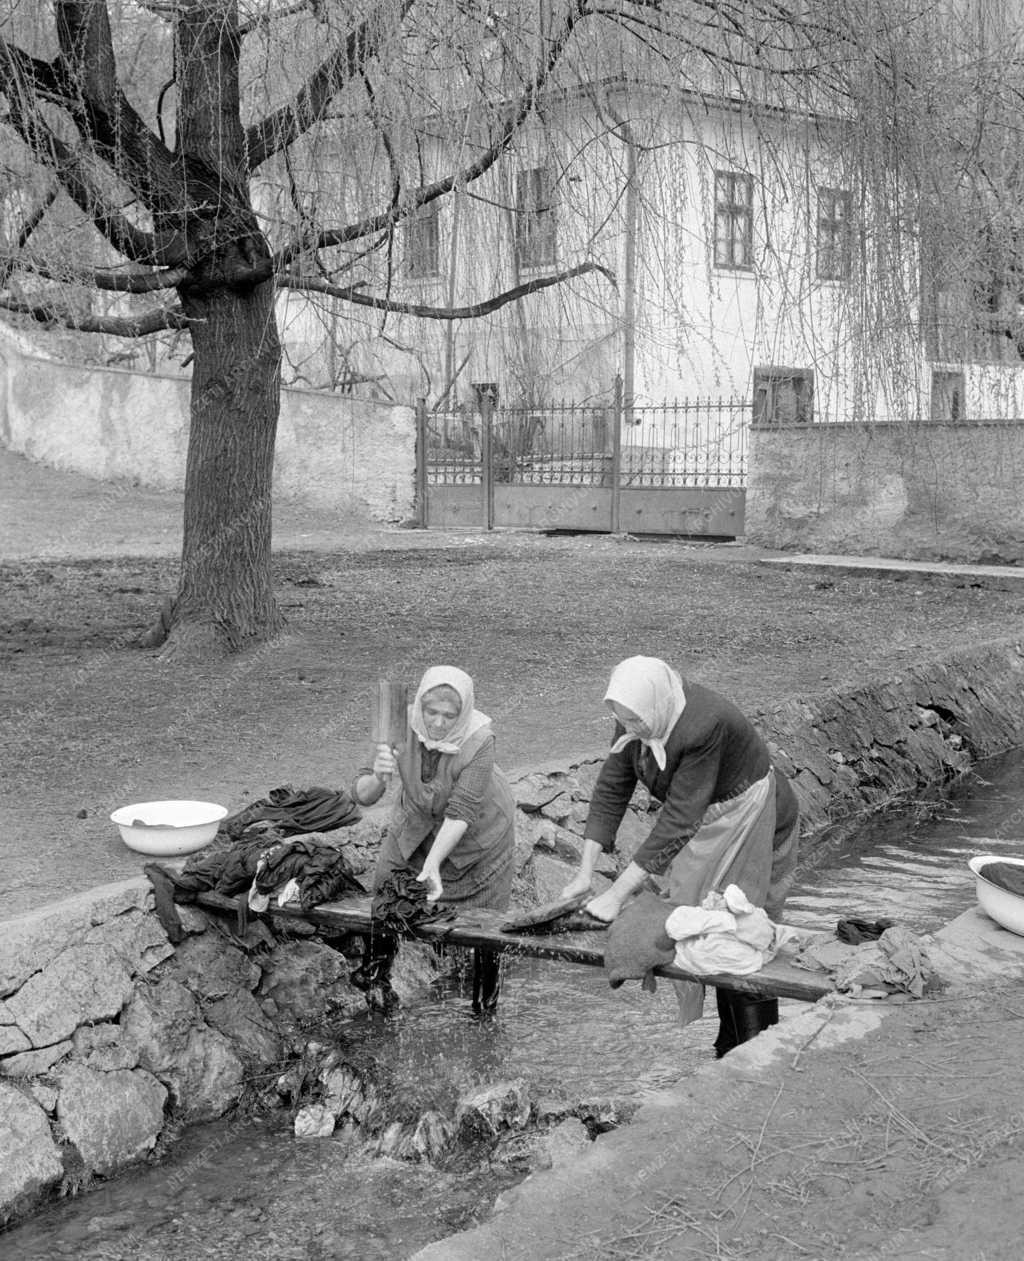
x=654 y=692
x=469 y=720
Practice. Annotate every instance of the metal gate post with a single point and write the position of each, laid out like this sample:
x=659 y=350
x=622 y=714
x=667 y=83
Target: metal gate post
x=421 y=463
x=616 y=453
x=486 y=458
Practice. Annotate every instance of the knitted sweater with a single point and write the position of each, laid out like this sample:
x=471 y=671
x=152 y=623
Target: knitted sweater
x=713 y=753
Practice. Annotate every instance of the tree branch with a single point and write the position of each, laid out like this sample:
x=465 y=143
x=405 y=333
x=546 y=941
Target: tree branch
x=19 y=86
x=316 y=285
x=31 y=221
x=310 y=103
x=87 y=73
x=116 y=325
x=99 y=278
x=474 y=170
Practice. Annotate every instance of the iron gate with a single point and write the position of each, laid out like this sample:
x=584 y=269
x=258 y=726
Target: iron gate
x=675 y=468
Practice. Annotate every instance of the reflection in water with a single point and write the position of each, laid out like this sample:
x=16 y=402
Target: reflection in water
x=251 y=1189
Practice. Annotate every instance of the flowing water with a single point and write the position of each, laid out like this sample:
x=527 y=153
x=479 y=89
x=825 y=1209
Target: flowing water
x=250 y=1188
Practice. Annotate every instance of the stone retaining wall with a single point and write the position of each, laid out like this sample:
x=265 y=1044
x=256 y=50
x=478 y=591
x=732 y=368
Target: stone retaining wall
x=931 y=490
x=109 y=1033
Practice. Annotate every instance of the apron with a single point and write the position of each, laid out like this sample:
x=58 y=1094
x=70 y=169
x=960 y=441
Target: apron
x=733 y=845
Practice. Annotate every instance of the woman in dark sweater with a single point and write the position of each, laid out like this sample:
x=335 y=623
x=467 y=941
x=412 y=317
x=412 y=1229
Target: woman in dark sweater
x=727 y=816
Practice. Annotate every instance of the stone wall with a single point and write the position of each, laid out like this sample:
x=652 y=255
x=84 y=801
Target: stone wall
x=345 y=455
x=929 y=491
x=109 y=1033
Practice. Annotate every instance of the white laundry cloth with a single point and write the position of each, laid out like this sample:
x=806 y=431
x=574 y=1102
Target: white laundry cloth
x=726 y=933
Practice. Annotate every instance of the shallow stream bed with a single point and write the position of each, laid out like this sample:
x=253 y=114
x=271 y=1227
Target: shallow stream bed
x=251 y=1189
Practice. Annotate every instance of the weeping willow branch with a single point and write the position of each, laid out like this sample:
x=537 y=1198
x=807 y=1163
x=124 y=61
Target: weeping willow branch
x=116 y=325
x=354 y=295
x=99 y=278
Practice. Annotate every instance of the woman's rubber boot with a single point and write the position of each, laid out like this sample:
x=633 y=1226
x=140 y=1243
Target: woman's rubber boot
x=486 y=981
x=373 y=976
x=742 y=1017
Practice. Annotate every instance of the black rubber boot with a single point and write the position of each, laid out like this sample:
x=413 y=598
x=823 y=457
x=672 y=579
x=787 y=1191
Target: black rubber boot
x=742 y=1017
x=373 y=976
x=486 y=981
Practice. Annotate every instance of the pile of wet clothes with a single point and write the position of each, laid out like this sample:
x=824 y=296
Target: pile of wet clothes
x=726 y=934
x=267 y=852
x=869 y=959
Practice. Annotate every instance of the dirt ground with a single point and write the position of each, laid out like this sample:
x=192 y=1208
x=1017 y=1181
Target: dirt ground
x=917 y=1162
x=93 y=723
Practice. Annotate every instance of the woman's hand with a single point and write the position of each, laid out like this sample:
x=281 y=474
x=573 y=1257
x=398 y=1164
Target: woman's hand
x=605 y=906
x=580 y=883
x=384 y=761
x=431 y=877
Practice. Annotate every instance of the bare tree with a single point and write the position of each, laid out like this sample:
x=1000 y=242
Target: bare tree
x=189 y=136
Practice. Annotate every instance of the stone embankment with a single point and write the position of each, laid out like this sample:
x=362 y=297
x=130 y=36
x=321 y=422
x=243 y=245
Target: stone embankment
x=111 y=1038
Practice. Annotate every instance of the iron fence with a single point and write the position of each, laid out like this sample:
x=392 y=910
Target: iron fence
x=685 y=443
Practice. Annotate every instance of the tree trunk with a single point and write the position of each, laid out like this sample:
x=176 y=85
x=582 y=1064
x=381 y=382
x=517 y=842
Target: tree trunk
x=225 y=584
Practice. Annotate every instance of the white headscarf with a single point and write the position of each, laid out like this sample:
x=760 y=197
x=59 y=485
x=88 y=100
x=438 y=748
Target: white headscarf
x=654 y=692
x=469 y=719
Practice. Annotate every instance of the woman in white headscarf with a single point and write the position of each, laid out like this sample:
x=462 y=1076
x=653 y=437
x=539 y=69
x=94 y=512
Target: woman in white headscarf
x=726 y=817
x=454 y=819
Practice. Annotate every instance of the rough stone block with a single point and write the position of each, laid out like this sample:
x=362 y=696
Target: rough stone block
x=31 y=1159
x=138 y=936
x=551 y=876
x=197 y=1064
x=104 y=1047
x=29 y=942
x=81 y=985
x=158 y=1022
x=111 y=1118
x=213 y=968
x=32 y=1063
x=45 y=1096
x=501 y=1106
x=243 y=1022
x=12 y=1040
x=536 y=790
x=304 y=978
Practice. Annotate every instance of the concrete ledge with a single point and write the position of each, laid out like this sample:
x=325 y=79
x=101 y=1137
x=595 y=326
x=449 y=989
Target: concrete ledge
x=1004 y=577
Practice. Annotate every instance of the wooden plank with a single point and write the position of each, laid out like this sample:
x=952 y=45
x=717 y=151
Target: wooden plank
x=479 y=927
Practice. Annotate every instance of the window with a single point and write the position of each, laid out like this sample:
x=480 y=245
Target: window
x=783 y=396
x=535 y=237
x=734 y=219
x=422 y=235
x=948 y=396
x=833 y=237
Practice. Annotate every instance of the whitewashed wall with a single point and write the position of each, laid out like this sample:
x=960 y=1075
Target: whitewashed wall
x=350 y=456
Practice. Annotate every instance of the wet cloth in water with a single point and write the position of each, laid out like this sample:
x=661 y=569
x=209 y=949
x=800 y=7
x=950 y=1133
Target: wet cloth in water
x=637 y=941
x=400 y=903
x=566 y=915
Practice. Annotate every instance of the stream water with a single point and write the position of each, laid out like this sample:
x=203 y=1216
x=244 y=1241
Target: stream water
x=251 y=1189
